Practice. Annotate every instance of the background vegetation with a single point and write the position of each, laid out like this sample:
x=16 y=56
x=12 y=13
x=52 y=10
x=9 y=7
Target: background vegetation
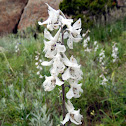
x=21 y=93
x=23 y=102
x=87 y=9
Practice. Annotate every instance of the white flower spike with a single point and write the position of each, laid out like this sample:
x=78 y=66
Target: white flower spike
x=61 y=68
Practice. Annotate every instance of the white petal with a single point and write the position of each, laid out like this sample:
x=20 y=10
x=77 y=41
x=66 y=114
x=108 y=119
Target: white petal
x=69 y=106
x=40 y=60
x=66 y=35
x=58 y=81
x=60 y=48
x=77 y=117
x=70 y=43
x=46 y=63
x=40 y=23
x=38 y=72
x=70 y=94
x=40 y=76
x=47 y=46
x=50 y=8
x=77 y=24
x=77 y=39
x=37 y=67
x=36 y=63
x=66 y=75
x=57 y=35
x=47 y=35
x=67 y=117
x=67 y=62
x=56 y=26
x=50 y=54
x=77 y=89
x=50 y=27
x=67 y=22
x=83 y=35
x=73 y=60
x=45 y=22
x=73 y=121
x=48 y=84
x=53 y=14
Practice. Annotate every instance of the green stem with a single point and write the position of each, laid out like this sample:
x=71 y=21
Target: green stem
x=63 y=100
x=63 y=87
x=8 y=63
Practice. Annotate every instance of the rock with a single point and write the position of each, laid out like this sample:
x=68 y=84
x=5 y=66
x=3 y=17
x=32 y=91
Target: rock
x=10 y=13
x=36 y=10
x=121 y=3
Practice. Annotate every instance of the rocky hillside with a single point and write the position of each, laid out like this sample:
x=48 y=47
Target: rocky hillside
x=121 y=3
x=19 y=14
x=10 y=14
x=35 y=10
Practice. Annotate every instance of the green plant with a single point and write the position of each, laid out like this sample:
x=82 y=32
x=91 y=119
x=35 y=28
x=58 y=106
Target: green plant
x=100 y=105
x=85 y=9
x=40 y=117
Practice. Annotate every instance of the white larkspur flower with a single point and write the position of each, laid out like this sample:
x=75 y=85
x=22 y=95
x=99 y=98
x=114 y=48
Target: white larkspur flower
x=76 y=28
x=40 y=76
x=53 y=16
x=72 y=39
x=22 y=107
x=16 y=46
x=40 y=68
x=53 y=21
x=101 y=57
x=38 y=72
x=40 y=60
x=75 y=90
x=88 y=38
x=66 y=22
x=85 y=42
x=95 y=43
x=11 y=87
x=69 y=63
x=72 y=72
x=72 y=115
x=87 y=50
x=58 y=65
x=73 y=33
x=37 y=67
x=114 y=52
x=46 y=63
x=83 y=35
x=53 y=47
x=36 y=63
x=50 y=83
x=104 y=80
x=36 y=58
x=96 y=48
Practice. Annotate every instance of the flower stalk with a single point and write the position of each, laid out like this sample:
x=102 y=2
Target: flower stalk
x=63 y=87
x=63 y=101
